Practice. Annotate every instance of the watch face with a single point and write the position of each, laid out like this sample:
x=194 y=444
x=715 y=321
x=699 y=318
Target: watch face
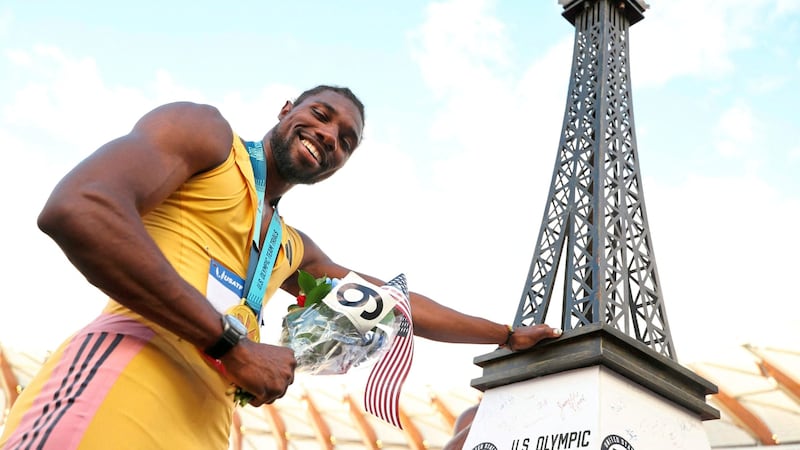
x=248 y=318
x=237 y=325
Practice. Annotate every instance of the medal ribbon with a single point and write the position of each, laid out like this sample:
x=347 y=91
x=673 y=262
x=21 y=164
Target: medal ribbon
x=259 y=268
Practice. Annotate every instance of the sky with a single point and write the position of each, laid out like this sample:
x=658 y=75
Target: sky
x=464 y=109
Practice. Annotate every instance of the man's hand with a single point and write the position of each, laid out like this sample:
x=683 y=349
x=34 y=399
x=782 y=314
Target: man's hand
x=526 y=337
x=263 y=370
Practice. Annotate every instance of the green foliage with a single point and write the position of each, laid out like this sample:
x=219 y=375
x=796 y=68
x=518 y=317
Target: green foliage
x=315 y=289
x=306 y=281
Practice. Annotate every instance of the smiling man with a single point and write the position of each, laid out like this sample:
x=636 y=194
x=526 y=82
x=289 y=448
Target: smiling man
x=320 y=161
x=176 y=222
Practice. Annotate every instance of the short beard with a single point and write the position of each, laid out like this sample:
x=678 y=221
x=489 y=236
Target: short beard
x=283 y=160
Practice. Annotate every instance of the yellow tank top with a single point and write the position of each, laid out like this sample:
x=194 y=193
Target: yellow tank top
x=212 y=216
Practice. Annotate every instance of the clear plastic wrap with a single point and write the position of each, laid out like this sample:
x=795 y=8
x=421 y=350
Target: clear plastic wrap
x=327 y=342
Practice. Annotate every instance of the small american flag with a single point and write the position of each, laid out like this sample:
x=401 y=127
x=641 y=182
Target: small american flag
x=382 y=394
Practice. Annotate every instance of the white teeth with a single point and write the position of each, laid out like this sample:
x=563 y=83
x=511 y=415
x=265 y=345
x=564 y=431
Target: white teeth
x=311 y=149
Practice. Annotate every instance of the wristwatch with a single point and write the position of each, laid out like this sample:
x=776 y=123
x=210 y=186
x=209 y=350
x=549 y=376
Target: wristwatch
x=233 y=331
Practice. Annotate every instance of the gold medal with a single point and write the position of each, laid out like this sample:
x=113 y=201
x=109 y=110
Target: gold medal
x=248 y=319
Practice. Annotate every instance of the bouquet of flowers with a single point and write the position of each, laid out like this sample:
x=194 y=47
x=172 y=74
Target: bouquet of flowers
x=338 y=324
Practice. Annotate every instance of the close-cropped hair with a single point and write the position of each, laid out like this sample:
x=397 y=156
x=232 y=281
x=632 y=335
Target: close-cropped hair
x=346 y=92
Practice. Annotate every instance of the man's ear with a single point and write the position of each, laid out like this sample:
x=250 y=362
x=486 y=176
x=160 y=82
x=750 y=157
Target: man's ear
x=285 y=110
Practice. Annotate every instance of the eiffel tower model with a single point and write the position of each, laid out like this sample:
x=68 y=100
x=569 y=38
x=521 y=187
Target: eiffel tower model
x=616 y=345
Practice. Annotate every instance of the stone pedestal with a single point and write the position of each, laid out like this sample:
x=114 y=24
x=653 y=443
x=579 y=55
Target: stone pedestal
x=594 y=388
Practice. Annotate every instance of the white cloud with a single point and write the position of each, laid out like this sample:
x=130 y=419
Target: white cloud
x=61 y=113
x=167 y=90
x=462 y=53
x=44 y=299
x=692 y=38
x=787 y=6
x=724 y=273
x=65 y=97
x=18 y=57
x=251 y=118
x=735 y=130
x=456 y=44
x=502 y=137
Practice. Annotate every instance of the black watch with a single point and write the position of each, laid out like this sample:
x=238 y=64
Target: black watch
x=233 y=331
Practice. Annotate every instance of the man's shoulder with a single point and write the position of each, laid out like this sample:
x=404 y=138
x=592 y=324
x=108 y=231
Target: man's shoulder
x=197 y=131
x=292 y=232
x=191 y=110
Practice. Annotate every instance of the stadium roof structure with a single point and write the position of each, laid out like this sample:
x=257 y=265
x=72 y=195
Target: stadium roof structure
x=759 y=401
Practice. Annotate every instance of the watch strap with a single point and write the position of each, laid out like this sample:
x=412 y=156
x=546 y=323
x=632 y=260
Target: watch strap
x=229 y=338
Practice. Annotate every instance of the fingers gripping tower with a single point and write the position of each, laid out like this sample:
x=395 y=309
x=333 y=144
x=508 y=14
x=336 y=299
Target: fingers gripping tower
x=612 y=380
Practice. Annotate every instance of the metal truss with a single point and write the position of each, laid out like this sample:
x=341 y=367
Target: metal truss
x=595 y=206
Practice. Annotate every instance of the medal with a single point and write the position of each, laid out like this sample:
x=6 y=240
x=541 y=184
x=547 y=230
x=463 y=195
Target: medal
x=248 y=319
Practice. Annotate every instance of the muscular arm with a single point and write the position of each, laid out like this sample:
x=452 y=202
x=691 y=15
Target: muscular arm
x=431 y=319
x=94 y=214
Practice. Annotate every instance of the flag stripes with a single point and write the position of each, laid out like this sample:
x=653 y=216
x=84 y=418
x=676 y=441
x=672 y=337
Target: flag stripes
x=382 y=393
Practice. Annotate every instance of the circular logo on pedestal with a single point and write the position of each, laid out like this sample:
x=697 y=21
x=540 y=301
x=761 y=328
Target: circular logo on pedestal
x=485 y=446
x=614 y=442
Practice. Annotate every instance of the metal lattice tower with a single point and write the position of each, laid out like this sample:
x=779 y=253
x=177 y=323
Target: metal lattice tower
x=595 y=207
